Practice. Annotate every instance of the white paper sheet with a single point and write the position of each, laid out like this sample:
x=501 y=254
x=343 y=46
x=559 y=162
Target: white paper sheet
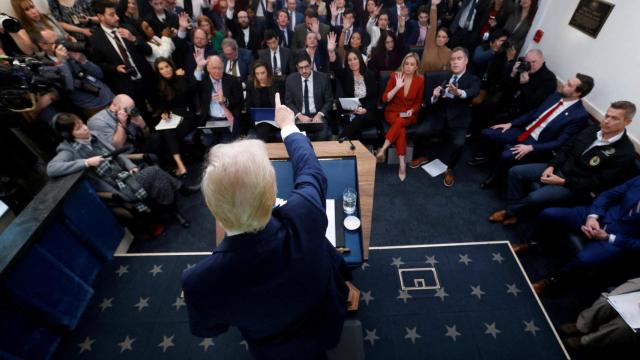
x=349 y=104
x=331 y=217
x=435 y=167
x=171 y=123
x=628 y=306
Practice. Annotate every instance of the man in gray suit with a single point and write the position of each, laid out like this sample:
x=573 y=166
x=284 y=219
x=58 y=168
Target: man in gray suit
x=311 y=24
x=308 y=94
x=276 y=56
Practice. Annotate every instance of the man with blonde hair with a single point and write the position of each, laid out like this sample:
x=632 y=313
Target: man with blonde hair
x=274 y=276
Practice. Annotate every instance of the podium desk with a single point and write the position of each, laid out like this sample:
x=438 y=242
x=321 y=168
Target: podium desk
x=365 y=173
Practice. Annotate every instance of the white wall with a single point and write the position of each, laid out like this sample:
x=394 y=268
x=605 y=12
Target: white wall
x=612 y=59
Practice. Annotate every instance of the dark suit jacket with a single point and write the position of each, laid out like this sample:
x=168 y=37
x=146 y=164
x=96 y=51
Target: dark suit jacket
x=541 y=84
x=457 y=111
x=560 y=129
x=322 y=96
x=107 y=57
x=232 y=90
x=170 y=21
x=600 y=168
x=265 y=55
x=282 y=287
x=371 y=100
x=255 y=36
x=481 y=17
x=301 y=34
x=244 y=63
x=618 y=209
x=271 y=24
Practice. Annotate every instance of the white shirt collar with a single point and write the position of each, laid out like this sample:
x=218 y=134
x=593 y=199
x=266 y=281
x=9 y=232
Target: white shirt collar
x=609 y=141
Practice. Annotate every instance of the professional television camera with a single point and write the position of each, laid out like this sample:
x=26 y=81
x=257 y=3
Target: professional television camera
x=22 y=78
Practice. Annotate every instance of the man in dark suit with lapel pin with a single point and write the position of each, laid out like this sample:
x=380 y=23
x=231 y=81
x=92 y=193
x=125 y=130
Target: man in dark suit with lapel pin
x=308 y=94
x=451 y=113
x=120 y=55
x=274 y=276
x=275 y=56
x=596 y=159
x=280 y=24
x=220 y=95
x=237 y=61
x=533 y=137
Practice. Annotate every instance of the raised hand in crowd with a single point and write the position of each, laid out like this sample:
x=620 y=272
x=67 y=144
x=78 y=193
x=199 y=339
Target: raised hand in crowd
x=284 y=115
x=184 y=22
x=200 y=59
x=399 y=80
x=503 y=127
x=315 y=27
x=331 y=42
x=231 y=4
x=334 y=10
x=376 y=11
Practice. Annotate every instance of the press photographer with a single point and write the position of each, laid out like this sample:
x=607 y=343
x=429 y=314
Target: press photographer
x=82 y=79
x=14 y=40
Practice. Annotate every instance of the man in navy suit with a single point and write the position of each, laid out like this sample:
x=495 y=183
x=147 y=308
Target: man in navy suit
x=451 y=113
x=595 y=160
x=275 y=56
x=237 y=61
x=533 y=136
x=274 y=276
x=280 y=24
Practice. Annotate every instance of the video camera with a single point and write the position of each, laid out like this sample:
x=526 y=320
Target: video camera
x=78 y=46
x=23 y=78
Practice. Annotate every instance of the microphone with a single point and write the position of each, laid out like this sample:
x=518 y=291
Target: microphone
x=342 y=139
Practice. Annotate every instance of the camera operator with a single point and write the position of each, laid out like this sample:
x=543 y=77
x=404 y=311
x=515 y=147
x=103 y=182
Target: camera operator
x=82 y=78
x=14 y=39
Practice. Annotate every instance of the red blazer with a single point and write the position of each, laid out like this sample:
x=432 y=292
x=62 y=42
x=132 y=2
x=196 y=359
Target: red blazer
x=400 y=103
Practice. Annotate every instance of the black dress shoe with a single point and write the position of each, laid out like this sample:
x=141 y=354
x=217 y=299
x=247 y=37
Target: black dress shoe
x=186 y=190
x=490 y=182
x=477 y=161
x=183 y=221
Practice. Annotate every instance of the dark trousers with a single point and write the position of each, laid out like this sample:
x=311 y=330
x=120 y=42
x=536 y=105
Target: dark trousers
x=315 y=131
x=353 y=127
x=438 y=126
x=524 y=189
x=596 y=253
x=495 y=141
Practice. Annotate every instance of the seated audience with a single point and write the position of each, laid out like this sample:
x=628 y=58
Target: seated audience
x=159 y=18
x=311 y=25
x=246 y=34
x=465 y=26
x=490 y=57
x=436 y=55
x=215 y=36
x=275 y=56
x=281 y=26
x=236 y=60
x=147 y=189
x=388 y=53
x=403 y=97
x=350 y=38
x=198 y=50
x=127 y=11
x=450 y=114
x=220 y=96
x=75 y=16
x=596 y=159
x=533 y=137
x=177 y=94
x=377 y=23
x=611 y=225
x=319 y=6
x=82 y=78
x=358 y=82
x=318 y=52
x=499 y=12
x=34 y=21
x=309 y=95
x=519 y=22
x=261 y=89
x=285 y=291
x=160 y=46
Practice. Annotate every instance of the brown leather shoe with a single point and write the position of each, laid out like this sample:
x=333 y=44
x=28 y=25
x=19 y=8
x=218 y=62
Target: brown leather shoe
x=510 y=220
x=568 y=329
x=520 y=248
x=419 y=161
x=498 y=216
x=449 y=179
x=542 y=287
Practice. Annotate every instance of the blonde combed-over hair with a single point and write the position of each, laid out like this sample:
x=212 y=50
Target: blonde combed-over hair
x=239 y=185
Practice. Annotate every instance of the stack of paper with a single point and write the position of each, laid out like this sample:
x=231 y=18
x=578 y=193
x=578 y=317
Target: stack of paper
x=435 y=168
x=171 y=123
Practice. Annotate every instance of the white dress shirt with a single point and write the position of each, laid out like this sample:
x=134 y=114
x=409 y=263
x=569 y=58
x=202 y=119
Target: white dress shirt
x=112 y=40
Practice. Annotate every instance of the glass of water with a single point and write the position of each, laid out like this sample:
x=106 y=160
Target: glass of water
x=349 y=200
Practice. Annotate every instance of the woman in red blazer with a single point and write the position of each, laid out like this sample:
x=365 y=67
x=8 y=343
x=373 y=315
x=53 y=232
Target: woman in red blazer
x=403 y=95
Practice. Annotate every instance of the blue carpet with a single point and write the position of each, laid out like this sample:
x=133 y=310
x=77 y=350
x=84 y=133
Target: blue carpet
x=136 y=314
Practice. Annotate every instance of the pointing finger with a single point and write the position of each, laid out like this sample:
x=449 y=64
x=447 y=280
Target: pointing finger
x=278 y=100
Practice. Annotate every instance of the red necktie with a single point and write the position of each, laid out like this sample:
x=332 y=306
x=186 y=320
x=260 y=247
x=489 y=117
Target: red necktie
x=542 y=119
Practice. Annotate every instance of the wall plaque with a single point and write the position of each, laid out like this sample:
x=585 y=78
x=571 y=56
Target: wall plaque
x=590 y=16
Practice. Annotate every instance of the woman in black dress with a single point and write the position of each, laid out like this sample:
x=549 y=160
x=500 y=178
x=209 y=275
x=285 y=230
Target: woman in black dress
x=358 y=82
x=177 y=95
x=261 y=90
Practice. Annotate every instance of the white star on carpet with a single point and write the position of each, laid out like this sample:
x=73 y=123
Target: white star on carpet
x=244 y=343
x=206 y=342
x=412 y=334
x=531 y=327
x=397 y=261
x=431 y=260
x=371 y=336
x=166 y=343
x=179 y=303
x=142 y=303
x=403 y=295
x=189 y=266
x=513 y=289
x=364 y=266
x=366 y=297
x=123 y=269
x=476 y=291
x=491 y=329
x=464 y=259
x=441 y=293
x=452 y=332
x=86 y=345
x=497 y=257
x=106 y=303
x=156 y=269
x=126 y=344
